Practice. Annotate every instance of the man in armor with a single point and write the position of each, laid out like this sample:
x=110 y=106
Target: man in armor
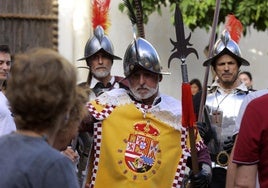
x=99 y=56
x=138 y=137
x=222 y=104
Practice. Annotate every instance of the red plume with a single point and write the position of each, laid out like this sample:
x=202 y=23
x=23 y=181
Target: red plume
x=100 y=14
x=234 y=26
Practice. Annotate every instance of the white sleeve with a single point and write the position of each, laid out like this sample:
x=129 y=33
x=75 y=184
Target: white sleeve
x=244 y=105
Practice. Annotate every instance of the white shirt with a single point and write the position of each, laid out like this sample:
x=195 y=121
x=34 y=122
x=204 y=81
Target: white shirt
x=94 y=81
x=7 y=124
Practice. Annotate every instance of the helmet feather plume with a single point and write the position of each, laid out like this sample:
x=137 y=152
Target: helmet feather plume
x=135 y=14
x=234 y=27
x=139 y=16
x=100 y=14
x=130 y=11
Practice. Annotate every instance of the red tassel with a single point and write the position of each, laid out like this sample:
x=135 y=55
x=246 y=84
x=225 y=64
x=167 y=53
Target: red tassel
x=234 y=26
x=100 y=14
x=188 y=116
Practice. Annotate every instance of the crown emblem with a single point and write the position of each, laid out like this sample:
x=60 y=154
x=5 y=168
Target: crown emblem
x=147 y=128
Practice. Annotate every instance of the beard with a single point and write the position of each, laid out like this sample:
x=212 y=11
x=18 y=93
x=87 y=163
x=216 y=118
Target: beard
x=100 y=73
x=140 y=95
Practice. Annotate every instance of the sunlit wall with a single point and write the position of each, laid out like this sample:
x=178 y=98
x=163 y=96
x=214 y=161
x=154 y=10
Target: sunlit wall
x=75 y=29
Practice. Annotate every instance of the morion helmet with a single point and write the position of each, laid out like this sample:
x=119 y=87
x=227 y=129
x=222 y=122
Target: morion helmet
x=140 y=53
x=99 y=42
x=225 y=45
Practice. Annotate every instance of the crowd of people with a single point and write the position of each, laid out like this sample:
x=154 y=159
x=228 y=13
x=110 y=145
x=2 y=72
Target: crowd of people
x=134 y=132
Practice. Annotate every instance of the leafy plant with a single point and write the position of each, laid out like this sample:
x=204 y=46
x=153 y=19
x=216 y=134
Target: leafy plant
x=199 y=13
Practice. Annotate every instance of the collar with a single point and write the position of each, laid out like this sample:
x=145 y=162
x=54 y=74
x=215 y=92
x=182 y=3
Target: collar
x=155 y=102
x=215 y=86
x=94 y=81
x=157 y=99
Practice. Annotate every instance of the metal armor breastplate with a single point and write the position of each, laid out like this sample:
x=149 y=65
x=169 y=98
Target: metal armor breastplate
x=223 y=109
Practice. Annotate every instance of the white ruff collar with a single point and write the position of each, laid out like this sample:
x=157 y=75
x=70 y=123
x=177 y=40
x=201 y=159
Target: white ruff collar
x=168 y=110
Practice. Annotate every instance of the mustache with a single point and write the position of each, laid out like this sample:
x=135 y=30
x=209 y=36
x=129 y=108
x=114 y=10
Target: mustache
x=140 y=95
x=100 y=67
x=223 y=74
x=142 y=87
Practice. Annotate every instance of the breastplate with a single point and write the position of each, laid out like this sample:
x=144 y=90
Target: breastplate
x=223 y=109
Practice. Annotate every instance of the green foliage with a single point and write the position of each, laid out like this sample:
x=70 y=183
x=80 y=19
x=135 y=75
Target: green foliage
x=199 y=13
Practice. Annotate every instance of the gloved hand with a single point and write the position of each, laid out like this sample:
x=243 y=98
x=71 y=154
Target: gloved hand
x=228 y=144
x=204 y=131
x=203 y=178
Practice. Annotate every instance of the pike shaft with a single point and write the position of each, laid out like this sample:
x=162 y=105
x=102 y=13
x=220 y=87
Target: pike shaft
x=211 y=43
x=184 y=73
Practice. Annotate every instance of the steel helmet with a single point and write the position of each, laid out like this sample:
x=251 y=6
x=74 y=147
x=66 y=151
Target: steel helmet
x=225 y=45
x=99 y=42
x=140 y=53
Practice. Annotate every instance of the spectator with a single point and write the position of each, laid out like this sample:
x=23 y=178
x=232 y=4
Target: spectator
x=250 y=151
x=78 y=112
x=246 y=78
x=7 y=124
x=41 y=91
x=232 y=166
x=67 y=138
x=196 y=86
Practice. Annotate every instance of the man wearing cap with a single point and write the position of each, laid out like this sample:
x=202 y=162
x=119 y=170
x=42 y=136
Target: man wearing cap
x=222 y=104
x=99 y=55
x=138 y=137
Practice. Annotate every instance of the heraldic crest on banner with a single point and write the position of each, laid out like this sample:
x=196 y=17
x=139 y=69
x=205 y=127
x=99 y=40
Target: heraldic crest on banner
x=142 y=149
